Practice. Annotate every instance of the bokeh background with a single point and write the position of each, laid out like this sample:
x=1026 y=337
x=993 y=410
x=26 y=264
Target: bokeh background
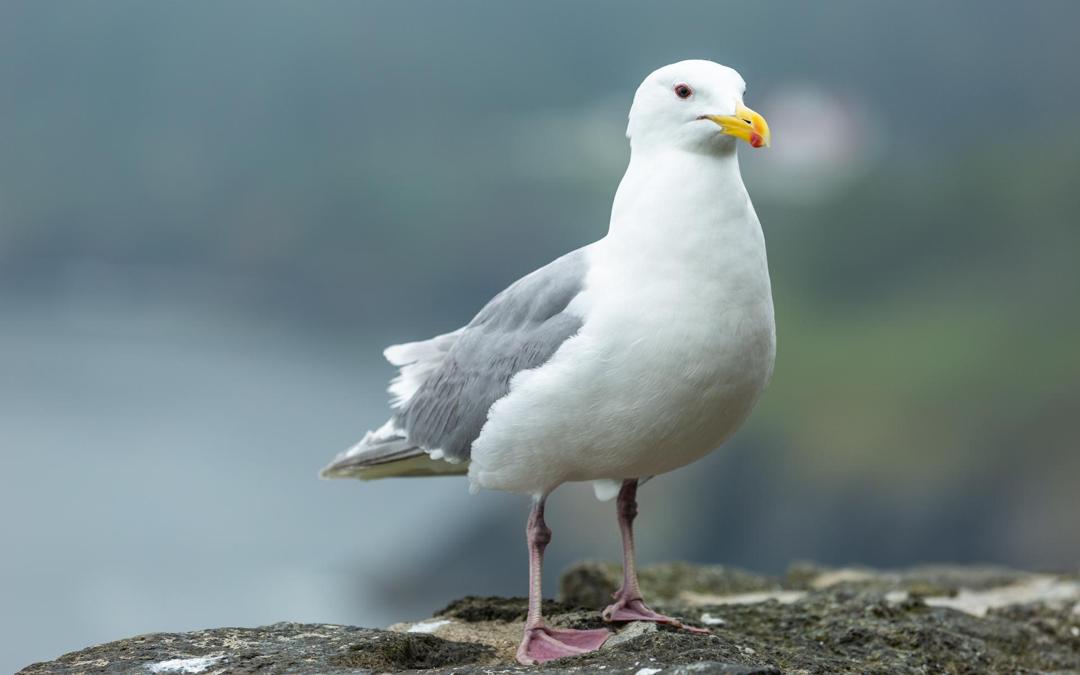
x=213 y=216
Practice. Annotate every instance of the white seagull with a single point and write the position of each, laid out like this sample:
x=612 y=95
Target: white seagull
x=622 y=360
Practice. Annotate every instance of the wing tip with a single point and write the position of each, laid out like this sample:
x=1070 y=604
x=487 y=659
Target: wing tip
x=339 y=467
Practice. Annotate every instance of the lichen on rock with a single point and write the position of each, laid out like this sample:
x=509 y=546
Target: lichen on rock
x=941 y=619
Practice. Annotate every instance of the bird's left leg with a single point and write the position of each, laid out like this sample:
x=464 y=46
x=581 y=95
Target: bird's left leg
x=628 y=605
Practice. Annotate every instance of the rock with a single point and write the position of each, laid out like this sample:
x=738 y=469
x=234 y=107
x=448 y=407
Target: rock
x=961 y=620
x=630 y=632
x=280 y=648
x=590 y=584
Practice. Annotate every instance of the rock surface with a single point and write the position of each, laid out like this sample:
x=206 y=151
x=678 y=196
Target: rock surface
x=926 y=620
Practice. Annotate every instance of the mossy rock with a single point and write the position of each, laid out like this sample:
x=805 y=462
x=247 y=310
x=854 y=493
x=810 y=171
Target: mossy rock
x=941 y=619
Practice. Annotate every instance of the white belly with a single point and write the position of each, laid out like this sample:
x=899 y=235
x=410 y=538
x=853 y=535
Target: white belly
x=643 y=389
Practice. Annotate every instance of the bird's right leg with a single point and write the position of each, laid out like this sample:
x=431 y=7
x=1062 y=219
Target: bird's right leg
x=541 y=642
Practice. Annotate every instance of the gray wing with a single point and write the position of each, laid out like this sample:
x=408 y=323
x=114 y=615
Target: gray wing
x=519 y=329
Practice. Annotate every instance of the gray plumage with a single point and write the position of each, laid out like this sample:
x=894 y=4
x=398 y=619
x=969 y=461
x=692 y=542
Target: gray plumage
x=519 y=329
x=470 y=369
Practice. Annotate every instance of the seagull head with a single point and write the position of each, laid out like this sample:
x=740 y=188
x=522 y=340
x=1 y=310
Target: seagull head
x=697 y=106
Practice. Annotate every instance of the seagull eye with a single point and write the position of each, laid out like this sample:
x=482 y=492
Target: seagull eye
x=683 y=90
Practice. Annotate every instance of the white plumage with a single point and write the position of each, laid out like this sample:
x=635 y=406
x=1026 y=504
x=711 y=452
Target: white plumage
x=676 y=346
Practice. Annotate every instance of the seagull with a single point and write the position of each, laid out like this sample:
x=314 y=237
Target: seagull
x=622 y=360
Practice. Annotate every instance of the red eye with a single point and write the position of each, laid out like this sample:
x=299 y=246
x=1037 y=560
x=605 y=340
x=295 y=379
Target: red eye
x=683 y=90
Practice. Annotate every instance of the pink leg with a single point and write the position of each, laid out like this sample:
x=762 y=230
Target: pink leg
x=628 y=605
x=541 y=642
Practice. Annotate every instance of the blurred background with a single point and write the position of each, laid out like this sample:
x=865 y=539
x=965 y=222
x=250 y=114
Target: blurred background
x=214 y=216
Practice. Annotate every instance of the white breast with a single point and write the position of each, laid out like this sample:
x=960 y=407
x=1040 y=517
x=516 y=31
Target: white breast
x=677 y=346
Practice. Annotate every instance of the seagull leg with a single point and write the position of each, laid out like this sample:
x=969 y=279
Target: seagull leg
x=628 y=605
x=541 y=642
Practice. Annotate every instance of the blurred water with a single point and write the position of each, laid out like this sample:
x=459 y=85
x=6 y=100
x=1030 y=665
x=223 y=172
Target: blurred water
x=159 y=473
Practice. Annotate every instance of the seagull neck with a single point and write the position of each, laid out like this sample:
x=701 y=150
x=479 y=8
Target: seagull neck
x=672 y=196
x=683 y=221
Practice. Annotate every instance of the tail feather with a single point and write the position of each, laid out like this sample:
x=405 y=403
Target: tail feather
x=385 y=453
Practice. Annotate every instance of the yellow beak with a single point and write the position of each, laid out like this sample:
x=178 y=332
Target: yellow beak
x=745 y=124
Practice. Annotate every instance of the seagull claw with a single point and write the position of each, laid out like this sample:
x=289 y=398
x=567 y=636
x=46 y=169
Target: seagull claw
x=543 y=643
x=635 y=609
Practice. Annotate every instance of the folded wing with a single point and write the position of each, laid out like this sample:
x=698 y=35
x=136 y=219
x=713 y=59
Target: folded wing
x=446 y=385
